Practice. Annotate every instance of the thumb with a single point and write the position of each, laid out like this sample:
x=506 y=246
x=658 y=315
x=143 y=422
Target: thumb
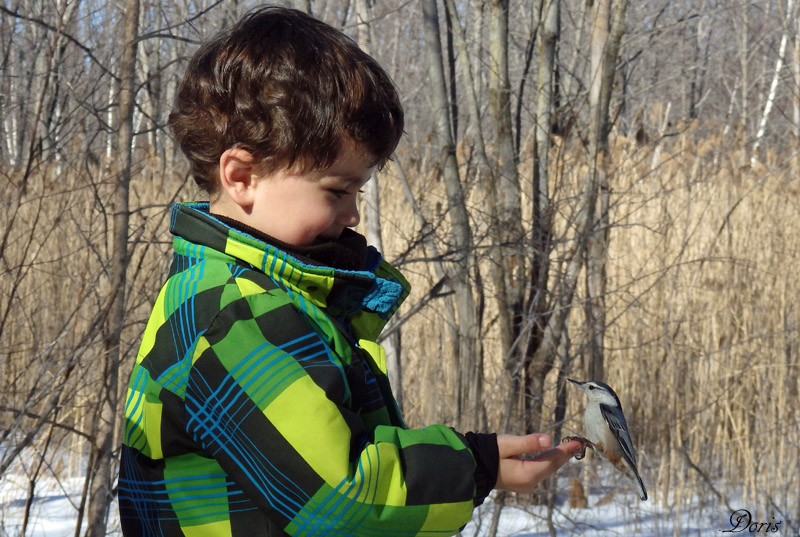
x=509 y=446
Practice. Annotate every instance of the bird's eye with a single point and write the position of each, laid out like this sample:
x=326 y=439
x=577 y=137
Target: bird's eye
x=591 y=387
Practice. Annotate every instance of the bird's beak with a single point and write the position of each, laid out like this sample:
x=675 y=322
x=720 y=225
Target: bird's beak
x=576 y=382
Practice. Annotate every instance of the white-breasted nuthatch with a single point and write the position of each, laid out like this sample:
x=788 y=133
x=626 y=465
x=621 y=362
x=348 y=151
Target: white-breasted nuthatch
x=608 y=431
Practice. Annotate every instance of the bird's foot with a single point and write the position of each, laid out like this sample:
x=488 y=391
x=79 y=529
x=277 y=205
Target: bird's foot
x=584 y=443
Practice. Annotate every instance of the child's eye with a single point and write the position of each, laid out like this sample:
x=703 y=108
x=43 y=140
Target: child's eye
x=339 y=192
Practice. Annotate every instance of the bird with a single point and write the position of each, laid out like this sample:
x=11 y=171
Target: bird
x=608 y=431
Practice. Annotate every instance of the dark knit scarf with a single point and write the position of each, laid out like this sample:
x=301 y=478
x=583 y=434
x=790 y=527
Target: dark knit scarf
x=348 y=252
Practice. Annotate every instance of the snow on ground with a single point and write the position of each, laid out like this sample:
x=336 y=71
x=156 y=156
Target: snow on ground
x=624 y=515
x=54 y=514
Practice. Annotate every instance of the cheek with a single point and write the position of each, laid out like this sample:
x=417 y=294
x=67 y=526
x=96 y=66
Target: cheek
x=314 y=225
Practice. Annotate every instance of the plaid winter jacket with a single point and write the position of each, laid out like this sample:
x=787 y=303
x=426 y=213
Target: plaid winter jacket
x=251 y=411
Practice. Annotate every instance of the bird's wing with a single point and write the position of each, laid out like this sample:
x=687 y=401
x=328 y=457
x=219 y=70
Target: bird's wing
x=616 y=422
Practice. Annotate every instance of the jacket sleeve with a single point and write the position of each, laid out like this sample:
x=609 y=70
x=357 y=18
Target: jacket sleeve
x=269 y=401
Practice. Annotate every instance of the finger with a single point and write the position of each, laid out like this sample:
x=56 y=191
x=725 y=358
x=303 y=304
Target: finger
x=559 y=455
x=512 y=445
x=573 y=446
x=547 y=463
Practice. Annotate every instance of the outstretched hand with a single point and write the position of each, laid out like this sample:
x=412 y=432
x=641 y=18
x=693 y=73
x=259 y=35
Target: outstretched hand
x=519 y=474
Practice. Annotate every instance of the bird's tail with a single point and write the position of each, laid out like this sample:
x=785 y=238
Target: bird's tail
x=639 y=486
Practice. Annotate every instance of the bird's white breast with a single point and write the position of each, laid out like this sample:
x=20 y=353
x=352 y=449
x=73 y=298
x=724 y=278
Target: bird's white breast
x=596 y=427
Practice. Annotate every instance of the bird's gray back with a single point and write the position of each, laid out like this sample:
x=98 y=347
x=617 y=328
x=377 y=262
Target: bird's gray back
x=615 y=419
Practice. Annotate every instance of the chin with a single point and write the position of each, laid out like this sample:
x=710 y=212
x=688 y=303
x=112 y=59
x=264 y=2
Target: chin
x=323 y=240
x=327 y=237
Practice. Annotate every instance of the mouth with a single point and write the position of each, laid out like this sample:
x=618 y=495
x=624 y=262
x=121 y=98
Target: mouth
x=576 y=382
x=328 y=236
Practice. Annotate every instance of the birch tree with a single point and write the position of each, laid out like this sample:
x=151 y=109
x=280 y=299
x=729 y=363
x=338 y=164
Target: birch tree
x=789 y=19
x=796 y=89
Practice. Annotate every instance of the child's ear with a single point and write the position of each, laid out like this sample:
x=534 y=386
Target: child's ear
x=237 y=170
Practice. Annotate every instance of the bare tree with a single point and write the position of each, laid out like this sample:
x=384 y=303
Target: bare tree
x=103 y=469
x=363 y=13
x=469 y=354
x=796 y=87
x=769 y=102
x=508 y=267
x=608 y=25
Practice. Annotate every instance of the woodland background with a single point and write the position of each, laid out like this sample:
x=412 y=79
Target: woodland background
x=587 y=188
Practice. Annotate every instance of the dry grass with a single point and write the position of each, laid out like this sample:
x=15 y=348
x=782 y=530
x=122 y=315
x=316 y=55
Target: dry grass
x=703 y=301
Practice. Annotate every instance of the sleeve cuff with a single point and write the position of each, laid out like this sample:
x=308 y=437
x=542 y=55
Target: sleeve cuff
x=487 y=458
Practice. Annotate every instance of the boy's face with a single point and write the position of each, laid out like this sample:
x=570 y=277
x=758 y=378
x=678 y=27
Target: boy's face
x=302 y=207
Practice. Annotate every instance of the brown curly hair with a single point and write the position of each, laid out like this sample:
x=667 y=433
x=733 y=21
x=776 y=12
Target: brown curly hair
x=289 y=89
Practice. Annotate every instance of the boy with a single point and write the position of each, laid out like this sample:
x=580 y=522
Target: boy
x=259 y=404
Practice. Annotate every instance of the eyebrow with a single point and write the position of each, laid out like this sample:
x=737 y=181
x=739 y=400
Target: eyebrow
x=350 y=179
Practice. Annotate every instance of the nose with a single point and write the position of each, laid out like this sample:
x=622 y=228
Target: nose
x=349 y=217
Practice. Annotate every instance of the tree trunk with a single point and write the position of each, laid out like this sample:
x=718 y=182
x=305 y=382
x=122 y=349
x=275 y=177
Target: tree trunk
x=537 y=302
x=363 y=13
x=548 y=39
x=469 y=354
x=796 y=93
x=508 y=266
x=506 y=211
x=744 y=59
x=484 y=169
x=776 y=76
x=103 y=472
x=606 y=37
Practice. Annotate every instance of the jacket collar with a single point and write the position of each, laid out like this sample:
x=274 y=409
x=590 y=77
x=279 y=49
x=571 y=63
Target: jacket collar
x=377 y=289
